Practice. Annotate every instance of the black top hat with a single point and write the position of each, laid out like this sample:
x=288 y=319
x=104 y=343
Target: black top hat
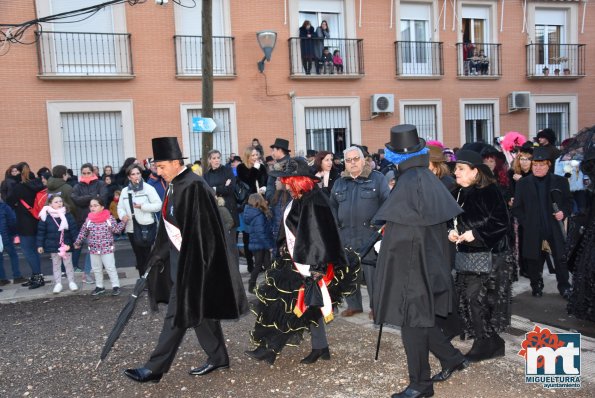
x=166 y=148
x=541 y=153
x=281 y=144
x=548 y=134
x=404 y=139
x=311 y=153
x=527 y=147
x=473 y=159
x=294 y=167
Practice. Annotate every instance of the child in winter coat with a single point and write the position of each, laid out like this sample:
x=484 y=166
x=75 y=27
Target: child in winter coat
x=99 y=229
x=326 y=62
x=8 y=223
x=338 y=61
x=113 y=209
x=56 y=231
x=257 y=219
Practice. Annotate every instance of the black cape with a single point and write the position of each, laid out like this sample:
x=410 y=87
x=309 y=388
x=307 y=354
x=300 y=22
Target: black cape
x=208 y=284
x=413 y=273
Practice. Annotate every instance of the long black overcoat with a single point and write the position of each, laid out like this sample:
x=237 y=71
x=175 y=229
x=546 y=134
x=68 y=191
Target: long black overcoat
x=413 y=273
x=208 y=284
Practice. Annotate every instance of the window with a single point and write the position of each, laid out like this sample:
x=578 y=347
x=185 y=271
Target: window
x=330 y=11
x=93 y=137
x=479 y=123
x=327 y=129
x=97 y=45
x=188 y=39
x=555 y=116
x=550 y=35
x=99 y=132
x=424 y=116
x=415 y=49
x=326 y=123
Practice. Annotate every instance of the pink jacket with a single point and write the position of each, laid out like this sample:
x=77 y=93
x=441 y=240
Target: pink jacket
x=100 y=236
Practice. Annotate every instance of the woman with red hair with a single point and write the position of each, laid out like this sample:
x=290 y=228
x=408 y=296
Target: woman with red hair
x=310 y=276
x=496 y=161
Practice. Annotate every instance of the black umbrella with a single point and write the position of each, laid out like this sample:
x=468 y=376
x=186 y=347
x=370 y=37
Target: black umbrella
x=124 y=316
x=556 y=196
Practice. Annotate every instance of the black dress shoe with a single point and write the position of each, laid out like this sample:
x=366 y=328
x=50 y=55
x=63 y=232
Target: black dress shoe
x=262 y=354
x=411 y=393
x=143 y=375
x=207 y=368
x=446 y=373
x=323 y=353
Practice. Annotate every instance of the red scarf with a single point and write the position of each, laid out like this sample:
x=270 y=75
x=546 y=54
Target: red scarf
x=88 y=180
x=99 y=217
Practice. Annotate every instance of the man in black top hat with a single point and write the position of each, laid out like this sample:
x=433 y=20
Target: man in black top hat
x=413 y=275
x=543 y=233
x=190 y=270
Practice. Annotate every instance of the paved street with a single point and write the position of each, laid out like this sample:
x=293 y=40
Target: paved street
x=50 y=345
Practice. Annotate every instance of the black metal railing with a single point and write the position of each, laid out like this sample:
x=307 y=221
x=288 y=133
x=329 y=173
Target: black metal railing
x=479 y=59
x=84 y=54
x=306 y=57
x=556 y=60
x=189 y=55
x=419 y=58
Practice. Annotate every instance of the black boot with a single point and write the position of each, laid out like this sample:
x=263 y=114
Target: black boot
x=537 y=288
x=487 y=348
x=262 y=354
x=323 y=353
x=36 y=281
x=252 y=287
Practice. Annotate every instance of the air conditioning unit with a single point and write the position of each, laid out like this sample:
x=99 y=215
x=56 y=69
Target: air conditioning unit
x=382 y=103
x=519 y=100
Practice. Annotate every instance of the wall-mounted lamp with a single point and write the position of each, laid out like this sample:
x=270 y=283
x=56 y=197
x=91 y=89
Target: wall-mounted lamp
x=266 y=41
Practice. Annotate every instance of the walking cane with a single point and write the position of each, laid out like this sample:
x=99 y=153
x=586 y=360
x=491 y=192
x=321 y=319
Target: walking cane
x=378 y=342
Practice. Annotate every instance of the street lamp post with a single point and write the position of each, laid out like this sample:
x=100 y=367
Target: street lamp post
x=266 y=41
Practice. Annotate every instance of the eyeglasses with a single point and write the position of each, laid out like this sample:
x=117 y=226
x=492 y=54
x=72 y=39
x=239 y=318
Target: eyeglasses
x=525 y=159
x=353 y=159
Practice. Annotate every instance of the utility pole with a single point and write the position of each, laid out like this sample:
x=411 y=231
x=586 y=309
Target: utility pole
x=207 y=75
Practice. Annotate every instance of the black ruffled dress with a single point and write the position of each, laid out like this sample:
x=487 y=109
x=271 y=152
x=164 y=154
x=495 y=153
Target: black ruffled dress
x=280 y=320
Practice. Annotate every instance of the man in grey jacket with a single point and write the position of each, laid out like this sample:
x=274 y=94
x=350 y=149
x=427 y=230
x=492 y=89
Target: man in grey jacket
x=355 y=199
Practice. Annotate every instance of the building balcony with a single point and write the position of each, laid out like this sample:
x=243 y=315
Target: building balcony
x=189 y=57
x=305 y=58
x=72 y=55
x=555 y=61
x=479 y=61
x=419 y=59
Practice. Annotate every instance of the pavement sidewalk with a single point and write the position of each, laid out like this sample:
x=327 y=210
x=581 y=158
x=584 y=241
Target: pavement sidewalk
x=513 y=336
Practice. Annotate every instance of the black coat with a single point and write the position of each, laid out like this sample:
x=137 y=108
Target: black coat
x=486 y=215
x=208 y=284
x=307 y=43
x=413 y=274
x=48 y=235
x=26 y=223
x=216 y=179
x=82 y=193
x=252 y=175
x=527 y=210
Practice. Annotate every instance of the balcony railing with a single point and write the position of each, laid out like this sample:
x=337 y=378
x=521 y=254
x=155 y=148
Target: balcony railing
x=64 y=54
x=305 y=58
x=419 y=58
x=555 y=60
x=479 y=60
x=189 y=56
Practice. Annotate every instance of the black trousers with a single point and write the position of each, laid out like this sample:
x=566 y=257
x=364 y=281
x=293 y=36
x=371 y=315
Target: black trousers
x=418 y=343
x=209 y=334
x=535 y=269
x=262 y=262
x=140 y=253
x=247 y=253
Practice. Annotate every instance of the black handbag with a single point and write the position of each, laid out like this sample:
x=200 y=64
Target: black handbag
x=143 y=235
x=474 y=263
x=241 y=191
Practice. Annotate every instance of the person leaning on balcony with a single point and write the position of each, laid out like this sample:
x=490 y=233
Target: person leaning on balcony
x=307 y=35
x=322 y=32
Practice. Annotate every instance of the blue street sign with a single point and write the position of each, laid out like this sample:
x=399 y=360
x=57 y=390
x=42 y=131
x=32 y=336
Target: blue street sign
x=203 y=125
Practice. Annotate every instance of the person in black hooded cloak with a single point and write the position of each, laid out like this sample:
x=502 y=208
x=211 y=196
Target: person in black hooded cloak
x=413 y=272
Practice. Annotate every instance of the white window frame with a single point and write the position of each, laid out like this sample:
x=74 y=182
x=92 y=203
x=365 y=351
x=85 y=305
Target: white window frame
x=299 y=111
x=570 y=27
x=492 y=28
x=495 y=102
x=56 y=108
x=435 y=102
x=572 y=101
x=226 y=17
x=349 y=18
x=185 y=123
x=434 y=11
